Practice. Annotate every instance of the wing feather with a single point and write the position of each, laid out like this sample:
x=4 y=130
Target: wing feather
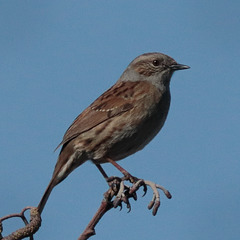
x=115 y=101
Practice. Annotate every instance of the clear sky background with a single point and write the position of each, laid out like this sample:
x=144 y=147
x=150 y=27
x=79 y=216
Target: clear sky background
x=56 y=57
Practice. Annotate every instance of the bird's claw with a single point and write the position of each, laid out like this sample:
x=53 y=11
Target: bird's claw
x=155 y=202
x=136 y=185
x=123 y=192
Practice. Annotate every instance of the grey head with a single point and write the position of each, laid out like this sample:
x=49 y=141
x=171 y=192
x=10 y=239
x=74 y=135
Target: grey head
x=154 y=67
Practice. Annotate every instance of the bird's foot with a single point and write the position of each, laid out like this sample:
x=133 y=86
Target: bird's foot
x=123 y=192
x=155 y=202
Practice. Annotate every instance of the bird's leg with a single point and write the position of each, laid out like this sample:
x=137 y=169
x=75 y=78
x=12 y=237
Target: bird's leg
x=137 y=183
x=110 y=180
x=113 y=182
x=120 y=190
x=102 y=171
x=127 y=175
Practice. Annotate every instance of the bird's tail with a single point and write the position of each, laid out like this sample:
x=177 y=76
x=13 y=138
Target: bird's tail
x=45 y=196
x=67 y=162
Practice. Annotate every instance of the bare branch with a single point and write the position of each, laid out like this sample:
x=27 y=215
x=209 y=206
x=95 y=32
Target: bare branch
x=30 y=227
x=105 y=206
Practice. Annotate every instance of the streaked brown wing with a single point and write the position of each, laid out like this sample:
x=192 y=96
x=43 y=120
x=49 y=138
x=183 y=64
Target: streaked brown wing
x=117 y=100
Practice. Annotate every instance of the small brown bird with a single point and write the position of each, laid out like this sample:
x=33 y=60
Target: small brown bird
x=121 y=121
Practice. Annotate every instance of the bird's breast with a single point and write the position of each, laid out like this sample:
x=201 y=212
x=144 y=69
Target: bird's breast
x=133 y=130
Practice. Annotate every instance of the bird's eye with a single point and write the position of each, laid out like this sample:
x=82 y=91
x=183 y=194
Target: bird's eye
x=156 y=62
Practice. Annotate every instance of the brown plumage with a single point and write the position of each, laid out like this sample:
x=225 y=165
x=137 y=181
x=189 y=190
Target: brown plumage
x=121 y=121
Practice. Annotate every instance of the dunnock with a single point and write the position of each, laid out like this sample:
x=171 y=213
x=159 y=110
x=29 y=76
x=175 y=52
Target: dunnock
x=121 y=121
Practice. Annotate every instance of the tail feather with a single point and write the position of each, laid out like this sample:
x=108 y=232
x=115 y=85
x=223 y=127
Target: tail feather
x=67 y=162
x=45 y=196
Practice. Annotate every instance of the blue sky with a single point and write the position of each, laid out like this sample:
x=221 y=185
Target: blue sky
x=58 y=56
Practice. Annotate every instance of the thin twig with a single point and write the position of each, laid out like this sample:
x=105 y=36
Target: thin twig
x=105 y=206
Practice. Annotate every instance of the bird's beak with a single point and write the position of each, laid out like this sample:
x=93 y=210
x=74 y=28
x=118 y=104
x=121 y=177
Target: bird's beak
x=177 y=66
